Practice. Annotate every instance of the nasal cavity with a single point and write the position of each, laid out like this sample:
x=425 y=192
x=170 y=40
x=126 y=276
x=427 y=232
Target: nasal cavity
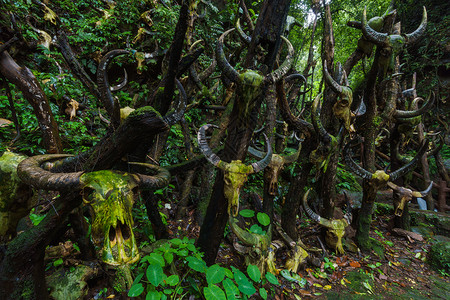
x=126 y=231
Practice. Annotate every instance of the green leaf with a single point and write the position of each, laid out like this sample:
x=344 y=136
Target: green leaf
x=153 y=295
x=58 y=262
x=168 y=257
x=156 y=259
x=215 y=274
x=138 y=278
x=173 y=280
x=213 y=292
x=254 y=273
x=263 y=293
x=247 y=213
x=228 y=273
x=196 y=264
x=155 y=274
x=246 y=287
x=230 y=289
x=272 y=278
x=263 y=218
x=256 y=229
x=135 y=290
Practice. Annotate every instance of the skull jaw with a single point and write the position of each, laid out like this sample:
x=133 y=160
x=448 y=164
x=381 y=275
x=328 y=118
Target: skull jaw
x=334 y=241
x=119 y=251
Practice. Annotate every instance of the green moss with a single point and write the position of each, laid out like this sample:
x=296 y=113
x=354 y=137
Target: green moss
x=144 y=110
x=439 y=257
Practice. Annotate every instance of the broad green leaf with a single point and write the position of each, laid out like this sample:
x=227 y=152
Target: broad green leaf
x=215 y=274
x=228 y=273
x=196 y=264
x=153 y=295
x=263 y=218
x=246 y=287
x=263 y=293
x=272 y=278
x=254 y=273
x=156 y=258
x=168 y=257
x=173 y=280
x=135 y=290
x=256 y=229
x=230 y=289
x=213 y=292
x=191 y=247
x=247 y=213
x=155 y=274
x=238 y=275
x=175 y=241
x=168 y=291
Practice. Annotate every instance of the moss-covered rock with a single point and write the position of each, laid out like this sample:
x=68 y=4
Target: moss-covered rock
x=71 y=284
x=439 y=256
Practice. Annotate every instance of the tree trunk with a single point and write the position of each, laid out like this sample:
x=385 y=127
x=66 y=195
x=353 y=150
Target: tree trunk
x=27 y=83
x=242 y=124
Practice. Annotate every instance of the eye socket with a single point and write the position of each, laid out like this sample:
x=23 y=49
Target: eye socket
x=87 y=194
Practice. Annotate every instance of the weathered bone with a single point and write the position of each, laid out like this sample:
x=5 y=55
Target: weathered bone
x=336 y=228
x=121 y=85
x=405 y=195
x=382 y=39
x=234 y=76
x=380 y=176
x=111 y=104
x=414 y=113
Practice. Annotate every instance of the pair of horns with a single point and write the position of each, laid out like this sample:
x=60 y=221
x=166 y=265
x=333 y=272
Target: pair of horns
x=321 y=220
x=233 y=75
x=381 y=38
x=215 y=160
x=360 y=171
x=31 y=172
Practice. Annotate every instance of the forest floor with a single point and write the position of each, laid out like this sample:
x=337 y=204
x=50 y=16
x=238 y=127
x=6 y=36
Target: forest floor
x=400 y=268
x=399 y=271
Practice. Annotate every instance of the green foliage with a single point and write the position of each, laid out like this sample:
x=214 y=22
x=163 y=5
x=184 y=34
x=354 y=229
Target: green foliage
x=159 y=275
x=346 y=180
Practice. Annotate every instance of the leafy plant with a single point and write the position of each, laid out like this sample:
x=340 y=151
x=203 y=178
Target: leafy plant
x=158 y=275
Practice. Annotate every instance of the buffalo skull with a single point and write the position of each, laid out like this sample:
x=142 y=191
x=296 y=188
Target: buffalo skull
x=109 y=193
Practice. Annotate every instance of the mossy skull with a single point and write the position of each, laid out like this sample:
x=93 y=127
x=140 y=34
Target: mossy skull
x=111 y=195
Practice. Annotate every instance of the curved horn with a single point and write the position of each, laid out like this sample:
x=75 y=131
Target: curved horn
x=161 y=179
x=313 y=215
x=31 y=172
x=204 y=147
x=409 y=166
x=370 y=34
x=336 y=87
x=414 y=36
x=297 y=123
x=348 y=215
x=357 y=169
x=417 y=112
x=318 y=126
x=111 y=104
x=259 y=165
x=122 y=84
x=223 y=63
x=249 y=239
x=294 y=156
x=284 y=68
x=247 y=39
x=179 y=112
x=256 y=153
x=423 y=193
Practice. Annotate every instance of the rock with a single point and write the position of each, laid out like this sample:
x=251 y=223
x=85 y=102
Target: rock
x=68 y=284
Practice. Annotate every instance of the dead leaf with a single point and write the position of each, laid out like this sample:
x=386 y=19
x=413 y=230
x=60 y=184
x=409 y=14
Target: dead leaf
x=355 y=264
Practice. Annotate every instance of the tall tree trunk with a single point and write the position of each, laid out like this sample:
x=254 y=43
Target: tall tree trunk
x=242 y=124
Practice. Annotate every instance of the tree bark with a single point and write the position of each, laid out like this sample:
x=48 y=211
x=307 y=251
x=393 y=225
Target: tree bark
x=27 y=83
